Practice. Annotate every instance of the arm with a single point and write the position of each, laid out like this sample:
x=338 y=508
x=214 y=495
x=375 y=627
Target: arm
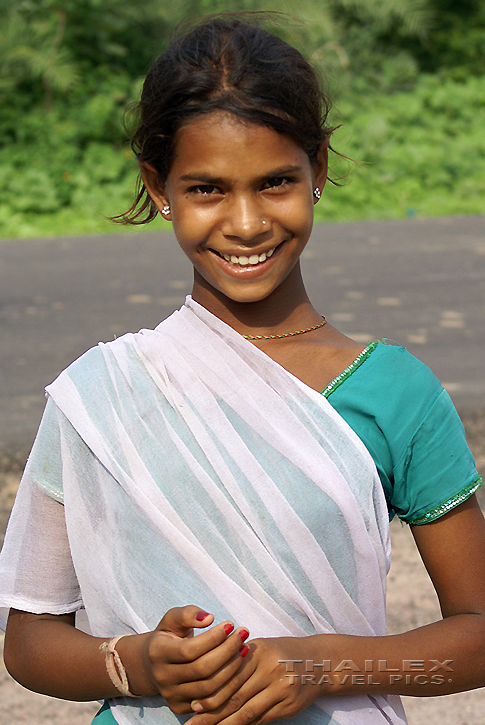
x=45 y=653
x=441 y=658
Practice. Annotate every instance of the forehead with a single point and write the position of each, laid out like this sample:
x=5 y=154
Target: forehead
x=225 y=145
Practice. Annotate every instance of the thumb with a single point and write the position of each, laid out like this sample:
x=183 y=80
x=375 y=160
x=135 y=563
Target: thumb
x=181 y=621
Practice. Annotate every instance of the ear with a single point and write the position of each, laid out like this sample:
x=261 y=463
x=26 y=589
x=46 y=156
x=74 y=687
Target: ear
x=320 y=170
x=149 y=176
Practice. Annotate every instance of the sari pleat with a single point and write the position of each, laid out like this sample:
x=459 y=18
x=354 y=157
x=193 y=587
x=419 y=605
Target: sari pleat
x=216 y=477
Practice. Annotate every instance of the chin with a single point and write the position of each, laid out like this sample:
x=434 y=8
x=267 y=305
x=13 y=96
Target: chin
x=247 y=296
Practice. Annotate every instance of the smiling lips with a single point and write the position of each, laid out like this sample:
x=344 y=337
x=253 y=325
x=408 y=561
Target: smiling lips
x=244 y=261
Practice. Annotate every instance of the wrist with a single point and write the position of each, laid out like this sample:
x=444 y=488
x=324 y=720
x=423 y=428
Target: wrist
x=317 y=666
x=132 y=651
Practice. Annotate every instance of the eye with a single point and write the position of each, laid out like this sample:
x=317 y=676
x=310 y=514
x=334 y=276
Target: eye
x=205 y=189
x=278 y=182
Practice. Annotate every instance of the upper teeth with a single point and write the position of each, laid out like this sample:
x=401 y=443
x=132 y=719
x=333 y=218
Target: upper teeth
x=253 y=259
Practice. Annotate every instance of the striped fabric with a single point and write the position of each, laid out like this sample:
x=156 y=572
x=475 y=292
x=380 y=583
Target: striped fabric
x=197 y=470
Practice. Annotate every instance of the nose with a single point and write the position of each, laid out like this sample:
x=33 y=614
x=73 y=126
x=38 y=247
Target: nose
x=244 y=220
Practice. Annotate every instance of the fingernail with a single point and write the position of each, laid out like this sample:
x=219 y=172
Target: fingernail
x=228 y=628
x=244 y=650
x=196 y=706
x=201 y=615
x=244 y=634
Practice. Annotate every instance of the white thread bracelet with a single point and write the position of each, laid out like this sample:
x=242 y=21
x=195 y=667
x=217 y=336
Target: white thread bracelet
x=114 y=665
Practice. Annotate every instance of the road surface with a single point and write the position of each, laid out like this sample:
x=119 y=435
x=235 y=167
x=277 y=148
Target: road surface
x=419 y=281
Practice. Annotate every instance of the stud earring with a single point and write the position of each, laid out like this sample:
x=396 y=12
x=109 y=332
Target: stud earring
x=317 y=193
x=166 y=210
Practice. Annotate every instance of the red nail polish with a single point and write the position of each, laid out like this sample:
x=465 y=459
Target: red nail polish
x=244 y=650
x=244 y=634
x=228 y=628
x=201 y=615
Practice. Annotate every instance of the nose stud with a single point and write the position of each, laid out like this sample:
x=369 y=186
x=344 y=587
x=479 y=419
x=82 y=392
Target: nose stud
x=317 y=193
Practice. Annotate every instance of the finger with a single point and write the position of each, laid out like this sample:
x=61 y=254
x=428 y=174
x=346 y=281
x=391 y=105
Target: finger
x=256 y=711
x=249 y=690
x=209 y=661
x=228 y=684
x=215 y=646
x=180 y=684
x=273 y=713
x=182 y=620
x=199 y=657
x=214 y=690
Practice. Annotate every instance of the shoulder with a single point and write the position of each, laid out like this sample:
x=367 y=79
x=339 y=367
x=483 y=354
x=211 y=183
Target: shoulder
x=395 y=358
x=384 y=374
x=97 y=357
x=400 y=392
x=99 y=371
x=410 y=426
x=386 y=394
x=405 y=388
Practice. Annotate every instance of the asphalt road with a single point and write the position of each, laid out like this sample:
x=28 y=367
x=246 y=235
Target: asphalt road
x=420 y=282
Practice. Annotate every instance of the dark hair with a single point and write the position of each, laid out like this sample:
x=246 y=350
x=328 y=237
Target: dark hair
x=231 y=64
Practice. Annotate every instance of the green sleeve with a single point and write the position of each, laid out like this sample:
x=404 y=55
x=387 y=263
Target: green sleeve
x=436 y=471
x=410 y=427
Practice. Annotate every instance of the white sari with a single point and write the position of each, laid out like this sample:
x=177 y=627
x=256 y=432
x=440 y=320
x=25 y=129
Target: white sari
x=197 y=470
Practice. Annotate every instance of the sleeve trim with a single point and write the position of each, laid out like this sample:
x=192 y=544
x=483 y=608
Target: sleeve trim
x=38 y=607
x=336 y=382
x=449 y=504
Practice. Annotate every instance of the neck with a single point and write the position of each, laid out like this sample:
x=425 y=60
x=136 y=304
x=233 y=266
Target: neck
x=287 y=308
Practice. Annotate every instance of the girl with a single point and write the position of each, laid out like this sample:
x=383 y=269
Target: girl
x=200 y=462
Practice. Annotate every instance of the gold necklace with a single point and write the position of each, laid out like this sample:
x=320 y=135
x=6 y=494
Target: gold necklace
x=286 y=334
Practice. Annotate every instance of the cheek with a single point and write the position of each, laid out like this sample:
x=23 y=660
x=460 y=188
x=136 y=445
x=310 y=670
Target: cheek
x=298 y=216
x=191 y=226
x=187 y=232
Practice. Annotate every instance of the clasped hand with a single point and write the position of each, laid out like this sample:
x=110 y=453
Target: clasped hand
x=218 y=677
x=268 y=690
x=183 y=668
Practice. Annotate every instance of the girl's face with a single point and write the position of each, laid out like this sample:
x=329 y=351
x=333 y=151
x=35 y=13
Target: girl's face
x=241 y=202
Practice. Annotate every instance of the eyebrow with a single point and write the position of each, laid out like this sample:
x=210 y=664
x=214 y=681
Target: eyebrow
x=216 y=180
x=205 y=178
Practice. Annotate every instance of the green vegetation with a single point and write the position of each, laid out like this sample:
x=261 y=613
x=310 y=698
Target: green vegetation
x=407 y=77
x=421 y=153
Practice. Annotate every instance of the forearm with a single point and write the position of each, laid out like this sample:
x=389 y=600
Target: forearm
x=48 y=655
x=45 y=653
x=440 y=658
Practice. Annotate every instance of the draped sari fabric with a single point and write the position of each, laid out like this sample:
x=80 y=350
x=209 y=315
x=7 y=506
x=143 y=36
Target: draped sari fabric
x=197 y=470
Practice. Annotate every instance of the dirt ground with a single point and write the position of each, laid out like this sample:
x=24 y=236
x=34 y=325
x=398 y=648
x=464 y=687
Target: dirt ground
x=411 y=603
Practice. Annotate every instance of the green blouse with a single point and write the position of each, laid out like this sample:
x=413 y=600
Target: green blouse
x=410 y=427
